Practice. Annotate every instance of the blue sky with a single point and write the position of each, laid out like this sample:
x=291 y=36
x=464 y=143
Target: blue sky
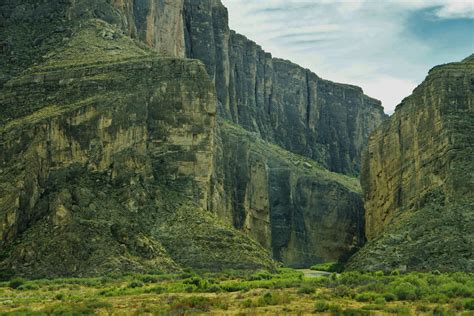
x=384 y=46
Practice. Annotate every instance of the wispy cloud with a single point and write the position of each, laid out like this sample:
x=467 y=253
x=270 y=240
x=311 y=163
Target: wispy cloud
x=386 y=47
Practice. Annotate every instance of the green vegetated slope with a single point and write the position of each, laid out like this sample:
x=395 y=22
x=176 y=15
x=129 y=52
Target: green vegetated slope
x=418 y=178
x=106 y=153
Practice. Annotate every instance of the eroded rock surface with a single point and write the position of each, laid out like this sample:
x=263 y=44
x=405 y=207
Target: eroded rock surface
x=418 y=178
x=288 y=203
x=280 y=101
x=100 y=154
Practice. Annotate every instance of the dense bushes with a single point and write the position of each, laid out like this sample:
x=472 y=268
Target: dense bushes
x=403 y=294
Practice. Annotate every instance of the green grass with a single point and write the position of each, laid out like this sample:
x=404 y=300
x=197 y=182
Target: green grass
x=188 y=292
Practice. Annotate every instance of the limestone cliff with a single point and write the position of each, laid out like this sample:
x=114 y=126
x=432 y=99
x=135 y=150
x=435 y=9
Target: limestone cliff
x=106 y=155
x=110 y=158
x=418 y=178
x=29 y=29
x=291 y=205
x=280 y=101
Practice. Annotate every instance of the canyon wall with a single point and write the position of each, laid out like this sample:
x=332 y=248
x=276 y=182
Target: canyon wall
x=280 y=101
x=418 y=178
x=106 y=163
x=291 y=205
x=109 y=133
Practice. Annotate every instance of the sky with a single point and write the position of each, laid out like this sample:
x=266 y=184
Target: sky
x=386 y=47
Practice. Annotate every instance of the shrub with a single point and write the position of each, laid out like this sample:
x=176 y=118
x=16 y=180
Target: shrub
x=335 y=309
x=342 y=291
x=405 y=291
x=366 y=297
x=399 y=310
x=196 y=281
x=247 y=303
x=16 y=283
x=60 y=296
x=275 y=298
x=28 y=286
x=156 y=290
x=149 y=279
x=423 y=308
x=389 y=297
x=98 y=304
x=214 y=289
x=306 y=289
x=469 y=304
x=437 y=298
x=193 y=303
x=260 y=275
x=321 y=306
x=440 y=311
x=395 y=272
x=455 y=289
x=135 y=284
x=380 y=300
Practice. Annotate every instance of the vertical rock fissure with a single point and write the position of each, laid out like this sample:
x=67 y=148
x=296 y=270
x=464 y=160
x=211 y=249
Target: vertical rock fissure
x=308 y=99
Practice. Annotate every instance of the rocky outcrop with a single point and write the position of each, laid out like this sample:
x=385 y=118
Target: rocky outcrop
x=29 y=30
x=418 y=178
x=106 y=163
x=280 y=101
x=288 y=203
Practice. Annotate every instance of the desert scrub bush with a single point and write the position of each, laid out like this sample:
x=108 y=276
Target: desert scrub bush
x=343 y=291
x=260 y=275
x=366 y=297
x=60 y=296
x=440 y=311
x=273 y=298
x=469 y=304
x=156 y=290
x=191 y=304
x=405 y=291
x=28 y=286
x=454 y=289
x=16 y=283
x=306 y=289
x=321 y=306
x=389 y=297
x=399 y=310
x=215 y=288
x=134 y=284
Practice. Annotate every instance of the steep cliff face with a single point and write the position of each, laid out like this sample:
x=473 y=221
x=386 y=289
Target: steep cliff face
x=291 y=205
x=106 y=161
x=30 y=29
x=122 y=166
x=418 y=178
x=280 y=101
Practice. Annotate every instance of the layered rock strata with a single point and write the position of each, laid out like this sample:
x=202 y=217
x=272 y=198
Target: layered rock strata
x=418 y=178
x=280 y=101
x=106 y=165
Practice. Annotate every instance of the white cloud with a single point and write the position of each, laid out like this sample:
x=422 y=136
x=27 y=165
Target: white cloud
x=363 y=42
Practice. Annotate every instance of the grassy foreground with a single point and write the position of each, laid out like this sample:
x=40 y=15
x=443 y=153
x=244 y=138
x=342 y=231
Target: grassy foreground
x=237 y=293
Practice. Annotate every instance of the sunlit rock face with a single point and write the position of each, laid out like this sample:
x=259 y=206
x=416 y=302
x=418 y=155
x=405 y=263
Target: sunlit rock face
x=418 y=178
